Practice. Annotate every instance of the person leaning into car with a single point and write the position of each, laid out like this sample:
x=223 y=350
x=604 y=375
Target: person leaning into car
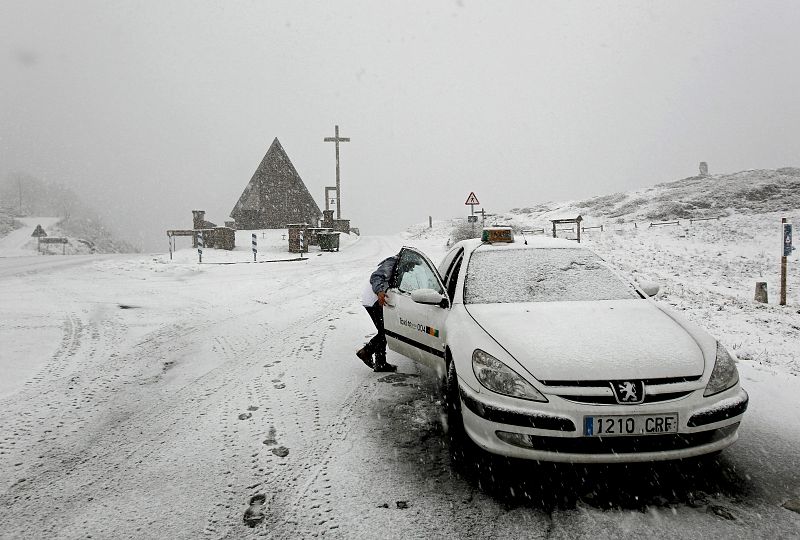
x=373 y=299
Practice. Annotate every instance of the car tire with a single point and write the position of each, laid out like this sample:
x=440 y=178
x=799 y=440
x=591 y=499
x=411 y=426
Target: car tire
x=460 y=444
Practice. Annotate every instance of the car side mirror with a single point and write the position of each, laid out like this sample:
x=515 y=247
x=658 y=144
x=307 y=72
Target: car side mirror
x=650 y=288
x=428 y=297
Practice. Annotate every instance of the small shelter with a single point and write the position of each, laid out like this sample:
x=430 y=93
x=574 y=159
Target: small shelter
x=564 y=220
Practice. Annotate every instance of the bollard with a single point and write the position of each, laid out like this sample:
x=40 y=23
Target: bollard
x=761 y=292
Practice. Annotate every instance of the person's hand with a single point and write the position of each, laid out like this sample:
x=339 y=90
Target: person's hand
x=382 y=299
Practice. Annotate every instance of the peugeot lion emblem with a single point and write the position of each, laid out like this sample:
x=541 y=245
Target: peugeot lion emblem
x=628 y=392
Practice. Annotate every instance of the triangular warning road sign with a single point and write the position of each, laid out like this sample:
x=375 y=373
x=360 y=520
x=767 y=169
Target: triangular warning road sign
x=472 y=199
x=39 y=232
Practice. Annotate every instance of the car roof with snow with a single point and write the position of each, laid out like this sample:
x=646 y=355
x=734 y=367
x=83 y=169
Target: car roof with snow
x=534 y=242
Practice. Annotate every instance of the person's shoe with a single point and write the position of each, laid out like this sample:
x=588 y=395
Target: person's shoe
x=365 y=357
x=385 y=366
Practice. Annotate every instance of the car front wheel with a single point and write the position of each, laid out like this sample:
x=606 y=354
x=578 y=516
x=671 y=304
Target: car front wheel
x=457 y=437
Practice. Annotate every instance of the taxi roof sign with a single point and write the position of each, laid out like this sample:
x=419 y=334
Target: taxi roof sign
x=472 y=199
x=497 y=234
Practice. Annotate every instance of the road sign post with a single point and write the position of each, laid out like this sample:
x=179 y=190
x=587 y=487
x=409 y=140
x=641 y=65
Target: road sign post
x=39 y=234
x=255 y=247
x=471 y=201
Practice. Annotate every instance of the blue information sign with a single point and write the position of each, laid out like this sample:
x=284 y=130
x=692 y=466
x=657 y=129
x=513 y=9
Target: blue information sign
x=787 y=239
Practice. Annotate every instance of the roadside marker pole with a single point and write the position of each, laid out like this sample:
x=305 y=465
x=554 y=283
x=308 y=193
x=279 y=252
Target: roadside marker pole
x=255 y=247
x=200 y=245
x=786 y=237
x=301 y=237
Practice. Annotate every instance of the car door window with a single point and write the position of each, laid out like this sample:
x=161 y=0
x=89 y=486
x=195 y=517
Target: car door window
x=452 y=277
x=412 y=272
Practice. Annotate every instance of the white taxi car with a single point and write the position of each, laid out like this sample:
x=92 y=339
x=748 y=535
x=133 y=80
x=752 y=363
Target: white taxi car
x=548 y=354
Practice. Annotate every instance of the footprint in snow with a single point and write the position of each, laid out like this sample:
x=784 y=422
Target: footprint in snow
x=255 y=513
x=280 y=386
x=271 y=437
x=245 y=416
x=281 y=451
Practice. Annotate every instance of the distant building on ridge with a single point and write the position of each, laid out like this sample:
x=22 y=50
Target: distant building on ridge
x=275 y=196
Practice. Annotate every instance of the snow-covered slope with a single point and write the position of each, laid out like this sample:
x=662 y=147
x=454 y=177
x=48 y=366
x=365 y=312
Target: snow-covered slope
x=21 y=243
x=747 y=192
x=23 y=195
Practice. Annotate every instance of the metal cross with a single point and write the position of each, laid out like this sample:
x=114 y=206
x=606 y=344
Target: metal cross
x=337 y=140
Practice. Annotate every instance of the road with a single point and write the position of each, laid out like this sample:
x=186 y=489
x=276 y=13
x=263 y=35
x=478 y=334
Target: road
x=172 y=400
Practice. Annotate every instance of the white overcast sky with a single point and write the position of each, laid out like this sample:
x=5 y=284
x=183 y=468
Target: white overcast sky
x=159 y=108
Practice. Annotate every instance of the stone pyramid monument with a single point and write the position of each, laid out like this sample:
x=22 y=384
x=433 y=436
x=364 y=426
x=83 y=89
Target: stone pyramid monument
x=275 y=196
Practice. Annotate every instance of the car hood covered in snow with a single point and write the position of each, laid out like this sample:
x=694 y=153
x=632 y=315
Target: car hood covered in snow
x=599 y=340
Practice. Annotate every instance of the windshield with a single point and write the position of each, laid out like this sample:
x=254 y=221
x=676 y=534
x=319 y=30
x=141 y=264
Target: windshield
x=541 y=275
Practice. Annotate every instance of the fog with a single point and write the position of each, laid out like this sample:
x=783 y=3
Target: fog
x=152 y=109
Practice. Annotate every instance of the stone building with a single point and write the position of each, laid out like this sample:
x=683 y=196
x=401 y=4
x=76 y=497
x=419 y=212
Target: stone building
x=275 y=196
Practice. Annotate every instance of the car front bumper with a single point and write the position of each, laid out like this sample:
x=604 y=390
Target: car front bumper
x=552 y=431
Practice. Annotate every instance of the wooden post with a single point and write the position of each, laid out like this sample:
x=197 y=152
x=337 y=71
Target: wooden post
x=761 y=292
x=430 y=222
x=783 y=266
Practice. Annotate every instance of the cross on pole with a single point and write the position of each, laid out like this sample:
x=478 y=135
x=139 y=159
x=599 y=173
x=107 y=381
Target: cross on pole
x=336 y=140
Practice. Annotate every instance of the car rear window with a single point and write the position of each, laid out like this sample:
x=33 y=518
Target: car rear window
x=541 y=275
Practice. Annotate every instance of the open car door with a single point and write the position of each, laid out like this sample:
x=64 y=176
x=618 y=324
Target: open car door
x=417 y=308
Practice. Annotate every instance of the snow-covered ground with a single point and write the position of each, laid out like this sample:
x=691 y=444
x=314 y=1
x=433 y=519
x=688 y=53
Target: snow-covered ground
x=147 y=397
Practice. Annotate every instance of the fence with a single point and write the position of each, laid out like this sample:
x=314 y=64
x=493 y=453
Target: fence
x=620 y=226
x=659 y=223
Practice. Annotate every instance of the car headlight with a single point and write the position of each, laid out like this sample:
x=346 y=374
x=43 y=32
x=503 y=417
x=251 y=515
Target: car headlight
x=498 y=377
x=724 y=375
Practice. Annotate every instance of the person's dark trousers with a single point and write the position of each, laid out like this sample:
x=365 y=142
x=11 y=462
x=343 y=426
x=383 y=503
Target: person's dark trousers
x=377 y=345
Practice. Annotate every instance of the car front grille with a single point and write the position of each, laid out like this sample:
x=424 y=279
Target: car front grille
x=600 y=393
x=611 y=400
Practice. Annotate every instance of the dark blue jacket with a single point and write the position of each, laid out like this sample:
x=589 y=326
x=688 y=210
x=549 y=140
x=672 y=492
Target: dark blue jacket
x=379 y=280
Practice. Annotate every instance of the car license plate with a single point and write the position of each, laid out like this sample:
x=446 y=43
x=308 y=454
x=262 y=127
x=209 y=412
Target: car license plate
x=638 y=424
